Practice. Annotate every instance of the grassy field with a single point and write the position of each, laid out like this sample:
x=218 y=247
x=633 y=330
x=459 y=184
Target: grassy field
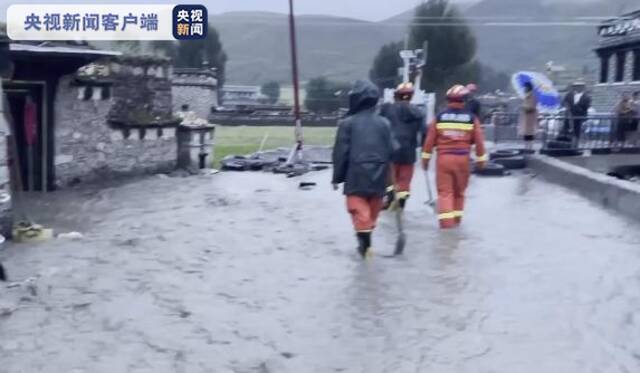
x=245 y=140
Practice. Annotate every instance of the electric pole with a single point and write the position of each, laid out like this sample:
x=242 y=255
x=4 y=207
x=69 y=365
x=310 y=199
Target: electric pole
x=296 y=152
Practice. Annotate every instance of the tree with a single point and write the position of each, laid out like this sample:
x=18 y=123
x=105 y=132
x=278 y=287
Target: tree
x=194 y=53
x=166 y=48
x=384 y=72
x=452 y=45
x=325 y=96
x=491 y=80
x=271 y=90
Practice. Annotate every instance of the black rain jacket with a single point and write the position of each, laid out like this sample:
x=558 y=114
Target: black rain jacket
x=408 y=126
x=363 y=146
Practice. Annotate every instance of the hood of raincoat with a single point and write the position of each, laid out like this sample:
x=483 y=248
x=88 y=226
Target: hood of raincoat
x=363 y=95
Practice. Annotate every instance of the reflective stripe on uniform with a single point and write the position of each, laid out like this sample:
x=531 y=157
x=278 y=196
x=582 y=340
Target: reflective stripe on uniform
x=447 y=215
x=403 y=195
x=455 y=126
x=390 y=188
x=483 y=158
x=458 y=214
x=426 y=155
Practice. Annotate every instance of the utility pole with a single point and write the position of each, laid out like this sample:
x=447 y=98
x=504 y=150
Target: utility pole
x=296 y=152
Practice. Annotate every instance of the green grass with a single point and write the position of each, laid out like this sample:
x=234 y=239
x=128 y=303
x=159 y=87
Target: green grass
x=244 y=140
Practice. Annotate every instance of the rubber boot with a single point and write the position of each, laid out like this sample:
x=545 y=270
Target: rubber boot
x=402 y=202
x=364 y=243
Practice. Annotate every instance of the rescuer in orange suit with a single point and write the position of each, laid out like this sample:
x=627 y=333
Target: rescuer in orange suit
x=408 y=126
x=453 y=133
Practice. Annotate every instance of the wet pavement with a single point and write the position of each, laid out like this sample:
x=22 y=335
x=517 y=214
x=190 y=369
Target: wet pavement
x=244 y=272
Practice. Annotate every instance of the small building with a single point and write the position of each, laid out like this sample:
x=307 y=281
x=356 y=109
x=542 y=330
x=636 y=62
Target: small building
x=241 y=96
x=619 y=53
x=196 y=88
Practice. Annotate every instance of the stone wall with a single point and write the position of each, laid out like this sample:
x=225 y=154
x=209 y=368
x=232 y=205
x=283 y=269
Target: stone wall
x=141 y=90
x=88 y=148
x=197 y=88
x=6 y=213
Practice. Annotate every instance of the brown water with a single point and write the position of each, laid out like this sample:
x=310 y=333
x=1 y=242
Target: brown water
x=246 y=273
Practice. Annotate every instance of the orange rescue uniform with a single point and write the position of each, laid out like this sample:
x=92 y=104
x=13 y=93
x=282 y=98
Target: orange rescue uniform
x=364 y=212
x=453 y=134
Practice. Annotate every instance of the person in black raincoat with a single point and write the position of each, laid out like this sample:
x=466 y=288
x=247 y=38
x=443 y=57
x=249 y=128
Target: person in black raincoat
x=361 y=160
x=408 y=126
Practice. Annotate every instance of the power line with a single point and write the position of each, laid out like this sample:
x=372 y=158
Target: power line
x=443 y=24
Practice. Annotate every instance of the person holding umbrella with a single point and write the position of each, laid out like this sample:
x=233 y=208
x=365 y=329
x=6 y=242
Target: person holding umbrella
x=529 y=116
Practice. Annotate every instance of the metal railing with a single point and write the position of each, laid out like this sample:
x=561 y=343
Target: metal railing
x=597 y=132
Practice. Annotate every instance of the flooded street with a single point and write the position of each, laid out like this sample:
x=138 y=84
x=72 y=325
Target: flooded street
x=244 y=272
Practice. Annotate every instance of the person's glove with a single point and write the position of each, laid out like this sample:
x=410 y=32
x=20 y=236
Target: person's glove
x=335 y=186
x=425 y=164
x=481 y=165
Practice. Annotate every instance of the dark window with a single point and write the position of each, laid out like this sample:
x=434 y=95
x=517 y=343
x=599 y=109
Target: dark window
x=88 y=93
x=620 y=61
x=636 y=65
x=604 y=69
x=106 y=93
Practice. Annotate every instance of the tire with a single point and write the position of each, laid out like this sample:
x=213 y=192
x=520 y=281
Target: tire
x=556 y=144
x=512 y=163
x=601 y=151
x=629 y=151
x=505 y=153
x=233 y=165
x=491 y=169
x=561 y=152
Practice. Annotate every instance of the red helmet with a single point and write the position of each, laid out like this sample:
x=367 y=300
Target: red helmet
x=457 y=93
x=472 y=87
x=405 y=91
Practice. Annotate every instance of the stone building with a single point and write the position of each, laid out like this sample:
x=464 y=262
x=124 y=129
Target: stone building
x=32 y=82
x=95 y=114
x=197 y=88
x=115 y=118
x=619 y=53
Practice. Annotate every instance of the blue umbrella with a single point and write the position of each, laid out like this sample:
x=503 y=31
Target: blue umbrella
x=547 y=95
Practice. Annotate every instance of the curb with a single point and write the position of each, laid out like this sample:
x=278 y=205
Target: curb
x=619 y=195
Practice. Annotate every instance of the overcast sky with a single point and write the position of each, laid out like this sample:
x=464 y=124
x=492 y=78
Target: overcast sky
x=373 y=10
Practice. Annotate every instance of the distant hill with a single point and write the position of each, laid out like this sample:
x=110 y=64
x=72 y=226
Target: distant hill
x=258 y=46
x=343 y=48
x=525 y=45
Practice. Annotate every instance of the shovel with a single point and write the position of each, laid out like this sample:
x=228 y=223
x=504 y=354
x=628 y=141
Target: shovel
x=431 y=202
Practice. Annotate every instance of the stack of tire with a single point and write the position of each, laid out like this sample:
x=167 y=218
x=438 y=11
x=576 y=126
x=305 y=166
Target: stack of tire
x=502 y=161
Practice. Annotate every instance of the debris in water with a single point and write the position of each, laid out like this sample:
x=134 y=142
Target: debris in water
x=305 y=185
x=74 y=236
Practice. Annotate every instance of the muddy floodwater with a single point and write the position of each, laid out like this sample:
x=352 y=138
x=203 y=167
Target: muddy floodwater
x=244 y=272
